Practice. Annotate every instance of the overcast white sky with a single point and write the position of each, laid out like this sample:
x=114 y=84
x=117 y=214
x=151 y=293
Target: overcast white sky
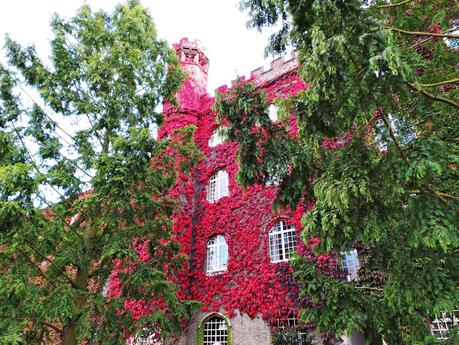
x=232 y=48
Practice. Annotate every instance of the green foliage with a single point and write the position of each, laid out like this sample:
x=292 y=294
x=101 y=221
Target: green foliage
x=285 y=337
x=108 y=75
x=376 y=151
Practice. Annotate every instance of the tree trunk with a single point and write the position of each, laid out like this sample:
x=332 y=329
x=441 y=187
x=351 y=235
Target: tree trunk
x=69 y=336
x=70 y=333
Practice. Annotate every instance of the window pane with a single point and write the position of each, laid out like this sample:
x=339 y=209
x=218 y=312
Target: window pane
x=218 y=186
x=282 y=242
x=215 y=331
x=350 y=264
x=217 y=254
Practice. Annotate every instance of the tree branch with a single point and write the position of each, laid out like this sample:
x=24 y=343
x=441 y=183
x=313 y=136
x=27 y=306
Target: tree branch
x=451 y=81
x=421 y=33
x=429 y=38
x=394 y=4
x=402 y=154
x=369 y=288
x=444 y=195
x=392 y=135
x=54 y=328
x=69 y=280
x=32 y=161
x=437 y=98
x=34 y=265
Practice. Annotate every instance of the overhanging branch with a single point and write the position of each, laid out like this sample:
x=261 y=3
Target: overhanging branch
x=394 y=4
x=437 y=98
x=422 y=33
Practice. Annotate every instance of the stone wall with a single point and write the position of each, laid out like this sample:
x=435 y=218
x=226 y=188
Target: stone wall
x=247 y=331
x=244 y=330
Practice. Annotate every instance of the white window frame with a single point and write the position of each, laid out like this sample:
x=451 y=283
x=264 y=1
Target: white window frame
x=272 y=113
x=350 y=264
x=218 y=186
x=145 y=339
x=218 y=136
x=293 y=325
x=215 y=331
x=452 y=43
x=282 y=242
x=442 y=325
x=217 y=255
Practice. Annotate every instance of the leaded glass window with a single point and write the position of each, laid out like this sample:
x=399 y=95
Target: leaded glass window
x=282 y=242
x=216 y=331
x=217 y=255
x=218 y=186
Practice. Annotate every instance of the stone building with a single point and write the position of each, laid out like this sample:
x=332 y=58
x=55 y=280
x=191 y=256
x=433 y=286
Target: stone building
x=238 y=247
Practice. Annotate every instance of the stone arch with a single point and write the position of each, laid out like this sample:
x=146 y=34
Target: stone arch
x=201 y=326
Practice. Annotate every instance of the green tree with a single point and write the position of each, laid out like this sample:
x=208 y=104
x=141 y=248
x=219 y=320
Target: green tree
x=106 y=77
x=376 y=151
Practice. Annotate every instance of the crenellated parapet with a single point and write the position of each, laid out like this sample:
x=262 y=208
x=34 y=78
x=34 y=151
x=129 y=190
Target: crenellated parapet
x=193 y=58
x=278 y=67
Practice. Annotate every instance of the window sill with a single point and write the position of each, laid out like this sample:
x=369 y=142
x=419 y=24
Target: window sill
x=216 y=273
x=280 y=261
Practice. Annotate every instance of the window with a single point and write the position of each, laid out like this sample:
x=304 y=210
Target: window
x=291 y=331
x=282 y=242
x=442 y=326
x=218 y=137
x=273 y=113
x=350 y=264
x=453 y=43
x=216 y=331
x=218 y=186
x=217 y=255
x=147 y=339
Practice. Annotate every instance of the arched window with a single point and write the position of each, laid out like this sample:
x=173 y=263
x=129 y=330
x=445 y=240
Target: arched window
x=218 y=136
x=282 y=241
x=217 y=255
x=215 y=331
x=218 y=186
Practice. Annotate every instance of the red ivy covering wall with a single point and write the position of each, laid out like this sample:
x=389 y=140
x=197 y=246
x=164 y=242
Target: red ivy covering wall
x=251 y=284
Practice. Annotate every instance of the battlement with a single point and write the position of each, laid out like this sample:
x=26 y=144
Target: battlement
x=278 y=67
x=191 y=52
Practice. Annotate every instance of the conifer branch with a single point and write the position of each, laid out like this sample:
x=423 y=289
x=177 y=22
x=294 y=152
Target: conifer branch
x=34 y=265
x=32 y=161
x=49 y=117
x=67 y=278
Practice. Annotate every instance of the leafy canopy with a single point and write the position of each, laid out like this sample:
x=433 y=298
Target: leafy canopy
x=79 y=128
x=376 y=151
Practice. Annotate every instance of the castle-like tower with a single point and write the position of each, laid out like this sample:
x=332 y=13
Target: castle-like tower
x=238 y=248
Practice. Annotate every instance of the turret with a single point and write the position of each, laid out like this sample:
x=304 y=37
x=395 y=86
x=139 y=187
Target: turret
x=195 y=62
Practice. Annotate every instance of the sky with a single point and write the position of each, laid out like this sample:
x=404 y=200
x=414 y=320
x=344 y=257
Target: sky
x=232 y=48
